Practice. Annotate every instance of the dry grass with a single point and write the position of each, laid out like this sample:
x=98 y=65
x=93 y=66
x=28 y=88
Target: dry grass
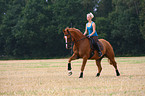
x=49 y=78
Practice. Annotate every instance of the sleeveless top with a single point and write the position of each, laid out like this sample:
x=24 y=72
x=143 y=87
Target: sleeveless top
x=90 y=30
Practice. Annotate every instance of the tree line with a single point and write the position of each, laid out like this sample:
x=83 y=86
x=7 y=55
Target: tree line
x=33 y=28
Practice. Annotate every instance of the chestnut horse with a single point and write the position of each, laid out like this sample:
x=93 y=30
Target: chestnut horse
x=82 y=49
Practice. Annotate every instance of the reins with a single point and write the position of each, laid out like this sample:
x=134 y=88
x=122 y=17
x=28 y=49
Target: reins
x=81 y=39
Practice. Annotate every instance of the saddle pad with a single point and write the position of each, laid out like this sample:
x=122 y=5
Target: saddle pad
x=91 y=44
x=100 y=45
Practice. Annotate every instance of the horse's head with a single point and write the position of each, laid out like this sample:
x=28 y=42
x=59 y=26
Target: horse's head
x=68 y=38
x=72 y=35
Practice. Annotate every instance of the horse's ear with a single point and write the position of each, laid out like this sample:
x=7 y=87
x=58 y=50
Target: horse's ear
x=63 y=30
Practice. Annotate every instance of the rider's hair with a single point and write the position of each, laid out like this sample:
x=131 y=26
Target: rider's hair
x=90 y=14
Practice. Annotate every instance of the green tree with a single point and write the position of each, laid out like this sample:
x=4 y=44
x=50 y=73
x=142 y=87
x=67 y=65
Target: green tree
x=33 y=30
x=10 y=18
x=142 y=18
x=3 y=9
x=103 y=27
x=66 y=14
x=125 y=33
x=104 y=7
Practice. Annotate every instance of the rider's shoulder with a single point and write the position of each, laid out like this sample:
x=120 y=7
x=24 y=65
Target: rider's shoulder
x=93 y=23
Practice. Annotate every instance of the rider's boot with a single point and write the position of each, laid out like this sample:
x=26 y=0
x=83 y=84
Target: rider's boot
x=98 y=49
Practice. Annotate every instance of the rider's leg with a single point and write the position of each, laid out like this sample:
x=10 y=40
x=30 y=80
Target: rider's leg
x=97 y=45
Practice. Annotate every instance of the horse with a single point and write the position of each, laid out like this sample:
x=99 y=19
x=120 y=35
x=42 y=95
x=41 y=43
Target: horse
x=82 y=49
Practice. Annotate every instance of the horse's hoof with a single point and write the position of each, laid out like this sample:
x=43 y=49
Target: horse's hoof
x=81 y=75
x=117 y=73
x=98 y=74
x=70 y=73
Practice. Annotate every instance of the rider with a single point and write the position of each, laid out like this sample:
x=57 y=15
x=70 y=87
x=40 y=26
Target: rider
x=90 y=27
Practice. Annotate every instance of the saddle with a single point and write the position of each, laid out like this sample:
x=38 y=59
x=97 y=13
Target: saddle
x=92 y=46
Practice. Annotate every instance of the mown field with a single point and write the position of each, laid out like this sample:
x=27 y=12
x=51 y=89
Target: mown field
x=49 y=78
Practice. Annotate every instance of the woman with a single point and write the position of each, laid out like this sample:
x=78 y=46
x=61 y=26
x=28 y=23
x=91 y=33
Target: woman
x=91 y=28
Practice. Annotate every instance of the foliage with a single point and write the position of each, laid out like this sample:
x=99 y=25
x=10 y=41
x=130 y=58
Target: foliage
x=125 y=32
x=33 y=28
x=102 y=27
x=142 y=18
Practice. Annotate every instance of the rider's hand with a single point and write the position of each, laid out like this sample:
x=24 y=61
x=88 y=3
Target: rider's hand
x=88 y=36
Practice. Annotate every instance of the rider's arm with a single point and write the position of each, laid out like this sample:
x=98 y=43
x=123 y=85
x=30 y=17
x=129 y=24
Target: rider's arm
x=85 y=30
x=94 y=29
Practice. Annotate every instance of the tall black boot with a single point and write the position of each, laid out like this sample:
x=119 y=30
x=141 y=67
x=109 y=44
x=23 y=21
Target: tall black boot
x=98 y=49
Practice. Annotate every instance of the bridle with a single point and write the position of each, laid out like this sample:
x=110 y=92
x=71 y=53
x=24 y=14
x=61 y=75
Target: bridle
x=71 y=42
x=69 y=38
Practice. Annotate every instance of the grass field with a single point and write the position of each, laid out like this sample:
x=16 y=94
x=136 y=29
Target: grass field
x=49 y=78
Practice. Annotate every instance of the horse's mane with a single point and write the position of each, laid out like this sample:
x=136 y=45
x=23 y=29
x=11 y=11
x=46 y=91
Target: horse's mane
x=74 y=30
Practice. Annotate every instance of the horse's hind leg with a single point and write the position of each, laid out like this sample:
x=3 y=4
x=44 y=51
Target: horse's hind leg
x=115 y=66
x=98 y=63
x=113 y=62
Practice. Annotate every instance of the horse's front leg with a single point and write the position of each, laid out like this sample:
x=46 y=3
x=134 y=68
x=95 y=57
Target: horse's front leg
x=73 y=57
x=83 y=66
